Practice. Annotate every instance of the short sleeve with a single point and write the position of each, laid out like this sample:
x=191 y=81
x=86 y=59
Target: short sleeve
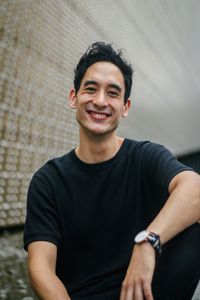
x=41 y=220
x=163 y=166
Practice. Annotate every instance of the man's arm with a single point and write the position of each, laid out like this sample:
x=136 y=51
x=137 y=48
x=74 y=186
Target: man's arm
x=181 y=210
x=42 y=264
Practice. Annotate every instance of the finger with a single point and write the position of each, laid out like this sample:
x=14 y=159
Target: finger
x=123 y=293
x=130 y=294
x=147 y=291
x=138 y=292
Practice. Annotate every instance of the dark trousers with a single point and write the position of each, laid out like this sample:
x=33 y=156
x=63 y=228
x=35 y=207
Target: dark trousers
x=177 y=270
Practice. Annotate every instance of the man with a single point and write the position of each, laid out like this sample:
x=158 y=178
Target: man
x=85 y=208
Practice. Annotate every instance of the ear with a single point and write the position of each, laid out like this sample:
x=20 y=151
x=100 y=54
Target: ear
x=72 y=99
x=126 y=108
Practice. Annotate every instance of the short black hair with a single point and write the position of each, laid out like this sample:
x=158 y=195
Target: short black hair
x=100 y=51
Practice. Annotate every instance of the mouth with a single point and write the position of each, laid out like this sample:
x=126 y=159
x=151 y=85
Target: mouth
x=98 y=115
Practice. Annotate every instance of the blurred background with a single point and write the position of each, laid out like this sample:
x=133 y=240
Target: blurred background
x=40 y=44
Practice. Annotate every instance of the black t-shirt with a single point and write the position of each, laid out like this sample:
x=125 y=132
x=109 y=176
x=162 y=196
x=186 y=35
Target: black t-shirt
x=93 y=211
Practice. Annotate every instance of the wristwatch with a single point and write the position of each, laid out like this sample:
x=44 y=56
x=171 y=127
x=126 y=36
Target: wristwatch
x=151 y=237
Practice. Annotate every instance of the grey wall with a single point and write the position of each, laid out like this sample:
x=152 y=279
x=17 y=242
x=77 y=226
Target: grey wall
x=40 y=42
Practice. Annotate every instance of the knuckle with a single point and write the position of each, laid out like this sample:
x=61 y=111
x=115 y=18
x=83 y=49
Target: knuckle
x=139 y=280
x=126 y=285
x=148 y=296
x=146 y=282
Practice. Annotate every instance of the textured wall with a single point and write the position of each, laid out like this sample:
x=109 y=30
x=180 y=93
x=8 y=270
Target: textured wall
x=35 y=122
x=40 y=42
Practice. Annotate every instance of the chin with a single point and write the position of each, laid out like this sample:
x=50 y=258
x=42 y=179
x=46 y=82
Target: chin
x=98 y=130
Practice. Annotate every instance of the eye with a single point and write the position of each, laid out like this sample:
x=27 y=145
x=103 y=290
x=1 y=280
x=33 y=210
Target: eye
x=113 y=94
x=90 y=89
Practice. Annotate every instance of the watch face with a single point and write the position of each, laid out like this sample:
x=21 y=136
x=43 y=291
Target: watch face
x=141 y=236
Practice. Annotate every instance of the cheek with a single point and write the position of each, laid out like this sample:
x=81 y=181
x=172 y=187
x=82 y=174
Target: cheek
x=84 y=99
x=121 y=109
x=80 y=111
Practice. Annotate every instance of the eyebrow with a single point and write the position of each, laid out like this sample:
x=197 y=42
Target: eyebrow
x=115 y=86
x=112 y=85
x=88 y=82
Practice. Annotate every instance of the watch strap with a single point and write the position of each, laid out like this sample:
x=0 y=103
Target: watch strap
x=151 y=237
x=154 y=240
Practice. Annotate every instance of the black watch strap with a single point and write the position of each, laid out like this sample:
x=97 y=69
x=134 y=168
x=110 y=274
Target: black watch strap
x=154 y=240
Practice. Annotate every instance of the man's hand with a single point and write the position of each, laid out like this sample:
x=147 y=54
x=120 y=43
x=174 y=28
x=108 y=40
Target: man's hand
x=137 y=282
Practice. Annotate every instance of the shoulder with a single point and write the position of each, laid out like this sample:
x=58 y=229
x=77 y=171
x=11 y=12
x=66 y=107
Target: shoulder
x=54 y=163
x=51 y=170
x=146 y=148
x=146 y=144
x=157 y=155
x=157 y=160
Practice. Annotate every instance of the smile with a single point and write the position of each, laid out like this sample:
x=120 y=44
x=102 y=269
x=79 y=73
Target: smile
x=98 y=115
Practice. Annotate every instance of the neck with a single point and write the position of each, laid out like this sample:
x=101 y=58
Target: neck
x=97 y=149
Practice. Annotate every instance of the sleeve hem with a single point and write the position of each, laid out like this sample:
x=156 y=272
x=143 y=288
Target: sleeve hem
x=44 y=238
x=176 y=172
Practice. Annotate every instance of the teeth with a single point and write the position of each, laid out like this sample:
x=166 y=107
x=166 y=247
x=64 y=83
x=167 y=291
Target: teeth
x=99 y=116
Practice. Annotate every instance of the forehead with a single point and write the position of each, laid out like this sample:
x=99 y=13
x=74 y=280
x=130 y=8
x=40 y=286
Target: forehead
x=104 y=73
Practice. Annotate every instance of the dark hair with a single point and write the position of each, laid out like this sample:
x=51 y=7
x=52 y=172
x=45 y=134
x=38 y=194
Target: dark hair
x=101 y=51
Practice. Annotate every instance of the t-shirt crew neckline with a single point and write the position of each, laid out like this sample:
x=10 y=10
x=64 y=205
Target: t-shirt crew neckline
x=102 y=165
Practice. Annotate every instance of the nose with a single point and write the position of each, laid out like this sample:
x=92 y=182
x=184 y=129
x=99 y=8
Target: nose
x=100 y=99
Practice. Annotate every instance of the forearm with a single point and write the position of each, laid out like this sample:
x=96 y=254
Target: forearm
x=47 y=285
x=181 y=210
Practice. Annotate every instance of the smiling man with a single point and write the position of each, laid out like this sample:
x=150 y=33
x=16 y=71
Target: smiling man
x=113 y=219
x=99 y=105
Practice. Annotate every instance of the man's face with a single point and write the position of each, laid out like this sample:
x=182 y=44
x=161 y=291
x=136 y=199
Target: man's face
x=99 y=102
